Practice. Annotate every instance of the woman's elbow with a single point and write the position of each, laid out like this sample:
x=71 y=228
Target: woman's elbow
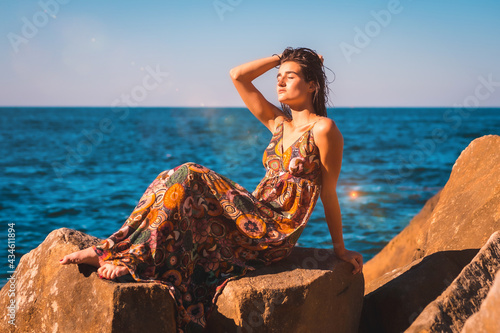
x=234 y=73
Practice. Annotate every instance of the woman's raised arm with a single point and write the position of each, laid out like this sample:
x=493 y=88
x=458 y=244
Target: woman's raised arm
x=242 y=77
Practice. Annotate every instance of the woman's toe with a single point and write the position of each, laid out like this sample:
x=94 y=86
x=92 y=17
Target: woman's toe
x=123 y=271
x=67 y=259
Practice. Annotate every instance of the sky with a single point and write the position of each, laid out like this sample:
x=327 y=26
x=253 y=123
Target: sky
x=410 y=53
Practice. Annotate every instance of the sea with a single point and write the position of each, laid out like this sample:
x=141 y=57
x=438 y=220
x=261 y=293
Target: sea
x=86 y=168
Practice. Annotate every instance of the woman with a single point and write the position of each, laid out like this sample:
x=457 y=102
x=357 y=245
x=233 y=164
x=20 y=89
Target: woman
x=193 y=228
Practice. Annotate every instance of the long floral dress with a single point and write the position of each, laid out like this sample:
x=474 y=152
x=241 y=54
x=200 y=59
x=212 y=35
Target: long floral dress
x=193 y=228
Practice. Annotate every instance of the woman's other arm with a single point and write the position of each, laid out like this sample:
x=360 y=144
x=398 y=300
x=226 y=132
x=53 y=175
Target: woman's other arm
x=242 y=77
x=331 y=143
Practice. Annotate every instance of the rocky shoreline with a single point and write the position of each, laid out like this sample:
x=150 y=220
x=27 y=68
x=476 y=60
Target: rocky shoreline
x=293 y=295
x=440 y=274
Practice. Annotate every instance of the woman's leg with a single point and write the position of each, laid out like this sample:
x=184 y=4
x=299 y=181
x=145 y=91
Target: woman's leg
x=105 y=256
x=107 y=269
x=87 y=256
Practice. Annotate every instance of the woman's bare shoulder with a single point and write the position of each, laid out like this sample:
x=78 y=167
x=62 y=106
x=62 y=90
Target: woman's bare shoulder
x=326 y=131
x=326 y=125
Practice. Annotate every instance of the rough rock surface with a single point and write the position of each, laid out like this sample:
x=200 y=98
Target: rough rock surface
x=487 y=319
x=394 y=305
x=310 y=291
x=449 y=312
x=462 y=216
x=55 y=298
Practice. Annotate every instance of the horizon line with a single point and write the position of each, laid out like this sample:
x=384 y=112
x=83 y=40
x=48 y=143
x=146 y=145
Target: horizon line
x=237 y=107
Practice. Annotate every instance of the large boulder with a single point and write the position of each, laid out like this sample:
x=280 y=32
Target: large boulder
x=487 y=319
x=462 y=216
x=420 y=262
x=399 y=296
x=450 y=311
x=55 y=298
x=311 y=291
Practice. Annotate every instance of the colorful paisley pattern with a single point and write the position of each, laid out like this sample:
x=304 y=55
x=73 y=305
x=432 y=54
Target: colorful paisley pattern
x=193 y=228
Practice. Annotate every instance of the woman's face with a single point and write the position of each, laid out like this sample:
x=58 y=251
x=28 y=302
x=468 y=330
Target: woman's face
x=292 y=88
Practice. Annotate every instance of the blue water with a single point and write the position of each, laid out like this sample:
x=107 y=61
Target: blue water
x=85 y=168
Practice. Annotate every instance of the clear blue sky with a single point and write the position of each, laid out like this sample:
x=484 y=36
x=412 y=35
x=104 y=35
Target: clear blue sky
x=91 y=53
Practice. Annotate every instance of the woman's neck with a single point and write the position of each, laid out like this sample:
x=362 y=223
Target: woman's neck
x=303 y=117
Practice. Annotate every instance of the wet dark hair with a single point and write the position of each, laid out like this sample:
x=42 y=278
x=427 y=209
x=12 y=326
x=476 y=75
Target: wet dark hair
x=313 y=70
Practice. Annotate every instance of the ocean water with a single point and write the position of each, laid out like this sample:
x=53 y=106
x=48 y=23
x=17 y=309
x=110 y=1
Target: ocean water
x=86 y=168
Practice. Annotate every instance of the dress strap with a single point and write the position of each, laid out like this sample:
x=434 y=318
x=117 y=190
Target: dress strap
x=311 y=123
x=314 y=122
x=277 y=126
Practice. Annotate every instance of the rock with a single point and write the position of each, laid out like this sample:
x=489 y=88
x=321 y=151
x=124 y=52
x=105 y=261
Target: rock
x=462 y=216
x=487 y=319
x=449 y=312
x=400 y=295
x=311 y=291
x=55 y=298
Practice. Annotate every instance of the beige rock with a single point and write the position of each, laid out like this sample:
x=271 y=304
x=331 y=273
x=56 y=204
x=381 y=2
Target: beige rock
x=55 y=298
x=311 y=291
x=401 y=295
x=487 y=319
x=462 y=216
x=449 y=312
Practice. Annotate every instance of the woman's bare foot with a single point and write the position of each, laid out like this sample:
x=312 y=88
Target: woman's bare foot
x=110 y=271
x=87 y=256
